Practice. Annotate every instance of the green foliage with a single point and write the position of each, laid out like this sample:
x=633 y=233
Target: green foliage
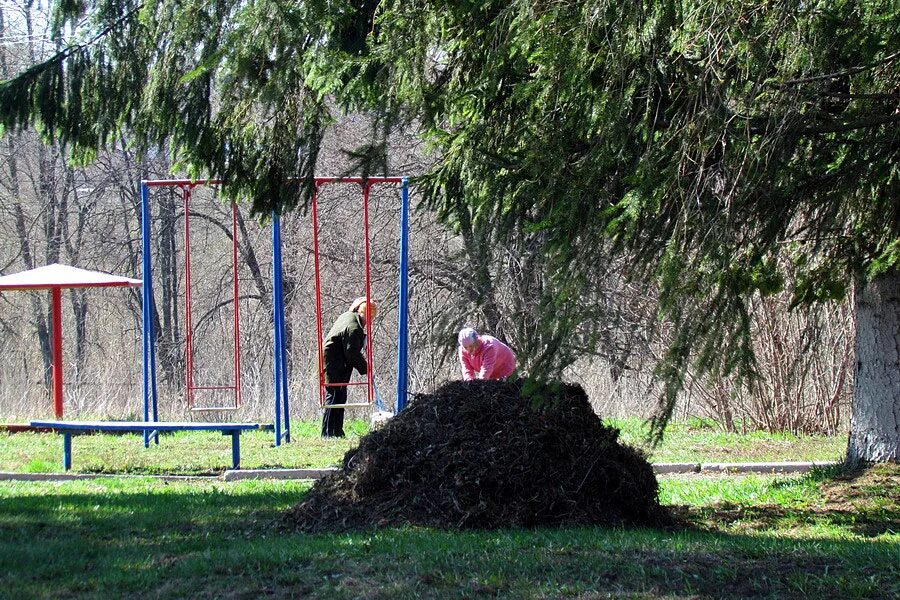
x=723 y=149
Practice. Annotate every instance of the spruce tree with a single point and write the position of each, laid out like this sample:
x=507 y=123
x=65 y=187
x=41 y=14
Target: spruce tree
x=725 y=149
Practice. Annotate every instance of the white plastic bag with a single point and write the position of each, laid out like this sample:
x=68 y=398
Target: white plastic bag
x=379 y=418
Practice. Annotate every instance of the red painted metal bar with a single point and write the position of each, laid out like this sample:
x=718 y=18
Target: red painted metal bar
x=188 y=322
x=190 y=388
x=319 y=334
x=317 y=181
x=57 y=355
x=366 y=186
x=371 y=368
x=68 y=286
x=359 y=180
x=213 y=387
x=237 y=327
x=180 y=182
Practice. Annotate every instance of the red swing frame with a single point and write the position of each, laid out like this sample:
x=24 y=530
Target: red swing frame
x=366 y=185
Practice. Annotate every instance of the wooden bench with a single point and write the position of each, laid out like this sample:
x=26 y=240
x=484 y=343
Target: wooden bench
x=154 y=428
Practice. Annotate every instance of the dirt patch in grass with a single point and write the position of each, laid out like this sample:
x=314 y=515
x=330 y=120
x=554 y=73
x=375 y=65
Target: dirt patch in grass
x=866 y=502
x=487 y=454
x=870 y=497
x=877 y=487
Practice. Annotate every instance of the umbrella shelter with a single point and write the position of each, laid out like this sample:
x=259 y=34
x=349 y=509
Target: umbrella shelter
x=55 y=277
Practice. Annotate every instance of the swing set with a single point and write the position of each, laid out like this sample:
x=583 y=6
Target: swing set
x=232 y=388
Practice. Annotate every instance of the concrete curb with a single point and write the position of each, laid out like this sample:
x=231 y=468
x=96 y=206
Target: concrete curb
x=675 y=468
x=765 y=467
x=231 y=475
x=76 y=476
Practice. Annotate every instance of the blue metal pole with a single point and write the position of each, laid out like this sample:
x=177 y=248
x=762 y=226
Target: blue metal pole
x=276 y=320
x=402 y=329
x=67 y=450
x=236 y=449
x=145 y=304
x=153 y=395
x=285 y=404
x=150 y=332
x=286 y=419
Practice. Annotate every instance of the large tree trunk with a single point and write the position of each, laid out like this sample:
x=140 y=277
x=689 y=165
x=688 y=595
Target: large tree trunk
x=875 y=423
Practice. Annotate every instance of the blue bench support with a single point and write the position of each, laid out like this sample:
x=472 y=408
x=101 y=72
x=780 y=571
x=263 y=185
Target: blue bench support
x=235 y=447
x=67 y=450
x=148 y=429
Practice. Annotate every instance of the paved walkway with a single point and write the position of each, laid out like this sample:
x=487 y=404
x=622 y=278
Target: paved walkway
x=766 y=468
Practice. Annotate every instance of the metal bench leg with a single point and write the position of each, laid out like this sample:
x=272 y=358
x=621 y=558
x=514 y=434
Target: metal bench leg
x=151 y=435
x=235 y=449
x=67 y=451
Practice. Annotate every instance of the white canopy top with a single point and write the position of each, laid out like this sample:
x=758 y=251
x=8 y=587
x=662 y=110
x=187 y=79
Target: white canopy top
x=63 y=276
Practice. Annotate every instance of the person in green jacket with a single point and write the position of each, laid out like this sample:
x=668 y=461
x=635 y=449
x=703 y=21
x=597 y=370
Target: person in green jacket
x=344 y=350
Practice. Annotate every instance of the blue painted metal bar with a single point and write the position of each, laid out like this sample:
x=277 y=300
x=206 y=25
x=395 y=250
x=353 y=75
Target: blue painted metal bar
x=282 y=353
x=402 y=322
x=154 y=397
x=147 y=330
x=67 y=451
x=69 y=428
x=138 y=426
x=235 y=447
x=276 y=320
x=285 y=404
x=145 y=303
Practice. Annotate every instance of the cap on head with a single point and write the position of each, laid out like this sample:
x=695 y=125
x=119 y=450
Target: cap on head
x=355 y=304
x=361 y=306
x=467 y=336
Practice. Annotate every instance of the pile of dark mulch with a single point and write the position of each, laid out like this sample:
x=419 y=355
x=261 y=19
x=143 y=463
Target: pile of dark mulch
x=487 y=454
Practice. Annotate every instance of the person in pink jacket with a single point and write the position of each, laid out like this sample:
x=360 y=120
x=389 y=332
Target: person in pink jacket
x=484 y=356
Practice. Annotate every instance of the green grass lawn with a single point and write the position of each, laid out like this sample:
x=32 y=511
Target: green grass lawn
x=182 y=453
x=812 y=536
x=197 y=453
x=698 y=441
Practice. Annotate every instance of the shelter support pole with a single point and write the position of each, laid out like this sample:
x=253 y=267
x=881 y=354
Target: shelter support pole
x=57 y=355
x=402 y=326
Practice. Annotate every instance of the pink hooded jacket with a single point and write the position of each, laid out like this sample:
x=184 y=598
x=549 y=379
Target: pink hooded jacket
x=491 y=360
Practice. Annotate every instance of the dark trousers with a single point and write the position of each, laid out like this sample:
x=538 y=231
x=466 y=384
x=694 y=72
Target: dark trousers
x=333 y=418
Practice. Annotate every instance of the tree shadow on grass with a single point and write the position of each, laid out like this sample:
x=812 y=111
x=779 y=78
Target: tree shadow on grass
x=865 y=502
x=190 y=542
